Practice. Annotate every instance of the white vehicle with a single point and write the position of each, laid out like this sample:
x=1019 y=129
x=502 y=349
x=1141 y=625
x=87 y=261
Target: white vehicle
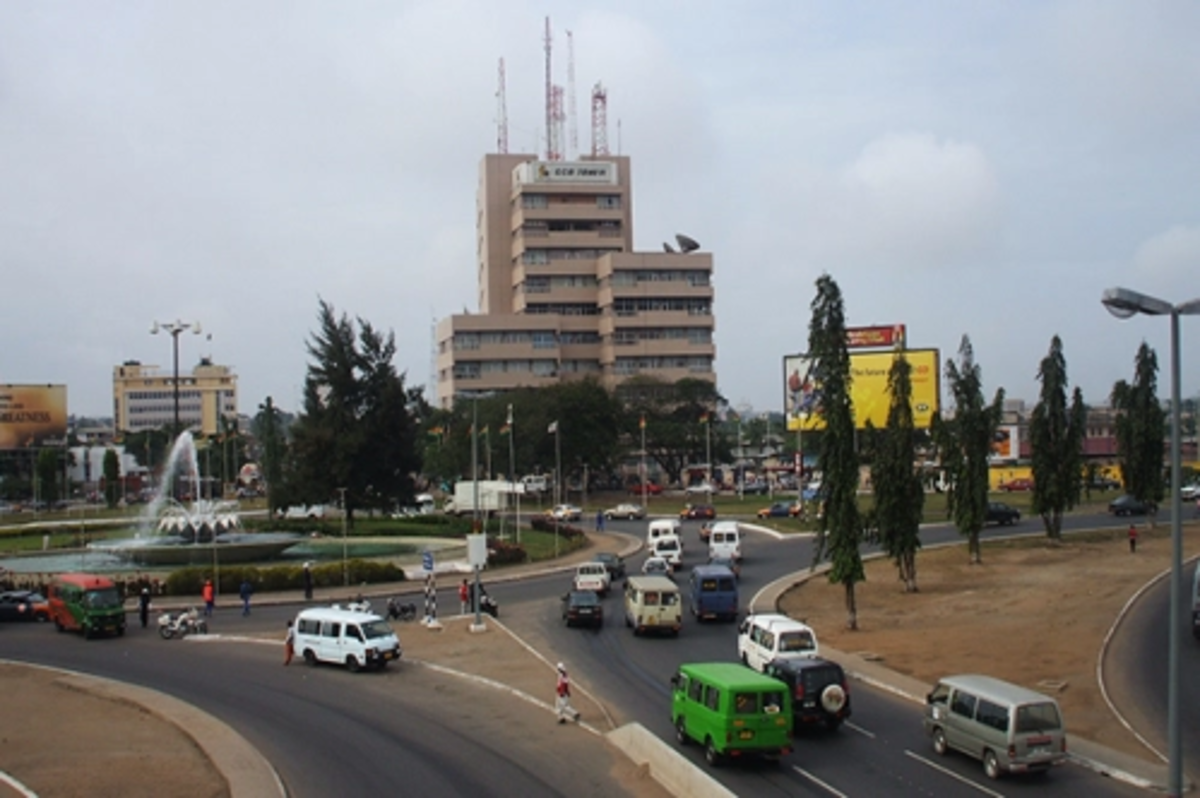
x=770 y=636
x=565 y=512
x=725 y=541
x=494 y=495
x=345 y=637
x=1189 y=492
x=656 y=566
x=700 y=489
x=313 y=511
x=592 y=576
x=627 y=511
x=652 y=604
x=664 y=527
x=670 y=548
x=535 y=483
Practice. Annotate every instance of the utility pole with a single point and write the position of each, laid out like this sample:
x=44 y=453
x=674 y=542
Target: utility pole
x=175 y=328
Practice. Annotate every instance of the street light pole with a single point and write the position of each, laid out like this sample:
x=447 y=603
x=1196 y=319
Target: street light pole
x=345 y=561
x=1124 y=303
x=175 y=328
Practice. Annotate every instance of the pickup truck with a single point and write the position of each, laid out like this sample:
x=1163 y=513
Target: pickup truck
x=592 y=576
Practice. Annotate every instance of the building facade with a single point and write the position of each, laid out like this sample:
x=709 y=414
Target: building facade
x=144 y=397
x=561 y=293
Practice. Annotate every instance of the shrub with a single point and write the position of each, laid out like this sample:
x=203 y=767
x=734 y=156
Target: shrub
x=189 y=581
x=565 y=531
x=502 y=552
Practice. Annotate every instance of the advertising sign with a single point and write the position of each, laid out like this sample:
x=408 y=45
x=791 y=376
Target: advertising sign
x=567 y=172
x=875 y=337
x=1007 y=444
x=32 y=416
x=868 y=389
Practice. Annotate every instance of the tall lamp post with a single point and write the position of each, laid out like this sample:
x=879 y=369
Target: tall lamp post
x=1124 y=303
x=175 y=328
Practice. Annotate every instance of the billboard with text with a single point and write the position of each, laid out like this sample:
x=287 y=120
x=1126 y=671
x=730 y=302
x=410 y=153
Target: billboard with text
x=868 y=389
x=32 y=416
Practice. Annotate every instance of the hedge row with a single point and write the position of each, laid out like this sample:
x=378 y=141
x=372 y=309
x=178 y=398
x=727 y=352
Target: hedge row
x=189 y=581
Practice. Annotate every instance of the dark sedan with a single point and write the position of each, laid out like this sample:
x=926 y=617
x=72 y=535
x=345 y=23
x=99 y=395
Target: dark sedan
x=582 y=608
x=1128 y=505
x=614 y=564
x=23 y=605
x=694 y=511
x=1002 y=514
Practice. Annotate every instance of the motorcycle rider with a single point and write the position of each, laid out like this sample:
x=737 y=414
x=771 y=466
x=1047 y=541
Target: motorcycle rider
x=144 y=606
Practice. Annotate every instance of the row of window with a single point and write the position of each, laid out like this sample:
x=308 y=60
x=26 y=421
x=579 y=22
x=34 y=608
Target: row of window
x=169 y=392
x=538 y=368
x=606 y=202
x=693 y=335
x=544 y=284
x=540 y=257
x=692 y=277
x=563 y=309
x=631 y=306
x=466 y=342
x=635 y=365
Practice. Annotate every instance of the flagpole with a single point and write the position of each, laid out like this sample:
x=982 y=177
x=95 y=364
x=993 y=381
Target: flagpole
x=645 y=498
x=557 y=482
x=708 y=449
x=512 y=474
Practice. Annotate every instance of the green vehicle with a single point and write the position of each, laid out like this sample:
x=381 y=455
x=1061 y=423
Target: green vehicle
x=86 y=603
x=731 y=710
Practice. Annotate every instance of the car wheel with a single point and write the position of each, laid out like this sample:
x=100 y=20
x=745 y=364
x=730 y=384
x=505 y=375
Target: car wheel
x=991 y=765
x=833 y=724
x=711 y=755
x=833 y=698
x=939 y=742
x=352 y=664
x=58 y=626
x=310 y=658
x=681 y=732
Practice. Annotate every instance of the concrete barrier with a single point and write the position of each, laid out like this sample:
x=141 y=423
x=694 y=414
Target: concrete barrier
x=668 y=767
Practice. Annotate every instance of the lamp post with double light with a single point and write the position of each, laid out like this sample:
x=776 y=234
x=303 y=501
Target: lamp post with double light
x=1124 y=303
x=175 y=328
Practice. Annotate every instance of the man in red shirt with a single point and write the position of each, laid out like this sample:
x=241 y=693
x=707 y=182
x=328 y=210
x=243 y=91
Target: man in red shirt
x=562 y=703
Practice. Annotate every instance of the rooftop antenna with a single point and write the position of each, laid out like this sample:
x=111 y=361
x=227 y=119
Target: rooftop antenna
x=551 y=139
x=557 y=117
x=618 y=135
x=599 y=121
x=501 y=112
x=572 y=119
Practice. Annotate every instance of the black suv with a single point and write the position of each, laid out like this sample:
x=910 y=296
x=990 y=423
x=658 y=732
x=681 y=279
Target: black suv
x=1002 y=514
x=820 y=692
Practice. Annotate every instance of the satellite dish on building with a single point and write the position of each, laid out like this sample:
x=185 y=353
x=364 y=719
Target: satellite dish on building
x=686 y=243
x=667 y=247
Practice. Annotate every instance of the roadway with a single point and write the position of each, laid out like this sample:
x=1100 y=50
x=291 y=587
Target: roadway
x=329 y=732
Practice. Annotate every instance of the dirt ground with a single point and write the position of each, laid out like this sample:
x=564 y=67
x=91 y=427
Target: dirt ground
x=1032 y=613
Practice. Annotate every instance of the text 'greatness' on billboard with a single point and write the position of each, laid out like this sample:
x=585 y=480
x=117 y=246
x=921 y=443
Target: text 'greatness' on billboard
x=32 y=415
x=868 y=389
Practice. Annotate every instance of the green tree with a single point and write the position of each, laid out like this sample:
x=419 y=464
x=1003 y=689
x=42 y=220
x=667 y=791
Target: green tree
x=1056 y=434
x=965 y=442
x=49 y=475
x=840 y=529
x=675 y=435
x=112 y=477
x=268 y=429
x=899 y=495
x=355 y=432
x=1139 y=426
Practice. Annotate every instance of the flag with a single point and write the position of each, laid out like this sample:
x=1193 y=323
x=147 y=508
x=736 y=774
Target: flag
x=553 y=428
x=508 y=418
x=704 y=418
x=435 y=432
x=487 y=433
x=506 y=429
x=642 y=423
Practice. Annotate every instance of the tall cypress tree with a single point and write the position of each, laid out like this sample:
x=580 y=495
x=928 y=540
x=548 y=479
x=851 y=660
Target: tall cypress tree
x=899 y=497
x=839 y=526
x=1141 y=422
x=966 y=443
x=1056 y=437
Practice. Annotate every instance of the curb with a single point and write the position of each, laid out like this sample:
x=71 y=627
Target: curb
x=247 y=771
x=1099 y=758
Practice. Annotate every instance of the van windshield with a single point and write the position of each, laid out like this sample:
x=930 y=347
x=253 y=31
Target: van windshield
x=796 y=641
x=1038 y=717
x=376 y=629
x=104 y=599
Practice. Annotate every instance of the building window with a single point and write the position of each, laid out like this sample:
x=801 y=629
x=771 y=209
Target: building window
x=609 y=202
x=533 y=201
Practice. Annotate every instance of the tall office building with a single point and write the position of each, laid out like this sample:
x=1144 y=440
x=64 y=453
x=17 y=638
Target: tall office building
x=144 y=397
x=562 y=294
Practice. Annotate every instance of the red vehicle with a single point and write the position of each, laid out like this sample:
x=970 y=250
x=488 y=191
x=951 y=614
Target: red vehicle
x=652 y=489
x=694 y=511
x=1020 y=483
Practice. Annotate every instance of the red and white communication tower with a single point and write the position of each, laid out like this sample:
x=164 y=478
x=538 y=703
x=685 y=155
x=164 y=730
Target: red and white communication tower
x=599 y=120
x=558 y=116
x=501 y=113
x=572 y=119
x=553 y=153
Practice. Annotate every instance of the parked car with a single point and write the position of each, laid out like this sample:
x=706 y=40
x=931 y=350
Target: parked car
x=614 y=564
x=1128 y=505
x=1189 y=492
x=1002 y=514
x=582 y=607
x=565 y=512
x=700 y=489
x=820 y=691
x=692 y=512
x=779 y=510
x=651 y=489
x=1020 y=483
x=627 y=511
x=23 y=605
x=755 y=487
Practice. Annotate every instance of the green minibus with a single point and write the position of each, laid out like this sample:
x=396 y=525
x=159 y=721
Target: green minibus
x=731 y=710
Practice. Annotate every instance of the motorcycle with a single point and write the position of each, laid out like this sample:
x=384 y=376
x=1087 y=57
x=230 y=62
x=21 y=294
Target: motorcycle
x=488 y=604
x=182 y=624
x=399 y=611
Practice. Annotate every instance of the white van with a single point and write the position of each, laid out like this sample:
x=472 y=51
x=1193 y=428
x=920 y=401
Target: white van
x=725 y=541
x=664 y=526
x=770 y=636
x=350 y=637
x=669 y=548
x=652 y=604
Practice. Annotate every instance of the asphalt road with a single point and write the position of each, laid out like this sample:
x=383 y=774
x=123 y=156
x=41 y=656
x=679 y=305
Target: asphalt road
x=329 y=732
x=1138 y=657
x=882 y=751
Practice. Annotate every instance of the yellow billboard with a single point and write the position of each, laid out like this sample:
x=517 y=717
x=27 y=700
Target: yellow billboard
x=868 y=389
x=32 y=416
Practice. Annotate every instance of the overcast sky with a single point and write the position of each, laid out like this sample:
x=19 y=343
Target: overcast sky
x=983 y=168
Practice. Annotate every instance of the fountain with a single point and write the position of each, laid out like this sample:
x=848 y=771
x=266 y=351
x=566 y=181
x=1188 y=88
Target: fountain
x=173 y=533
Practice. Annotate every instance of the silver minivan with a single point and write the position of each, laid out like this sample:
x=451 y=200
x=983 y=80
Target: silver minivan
x=1009 y=728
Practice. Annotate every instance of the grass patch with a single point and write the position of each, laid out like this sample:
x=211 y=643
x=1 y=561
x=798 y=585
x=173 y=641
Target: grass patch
x=539 y=546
